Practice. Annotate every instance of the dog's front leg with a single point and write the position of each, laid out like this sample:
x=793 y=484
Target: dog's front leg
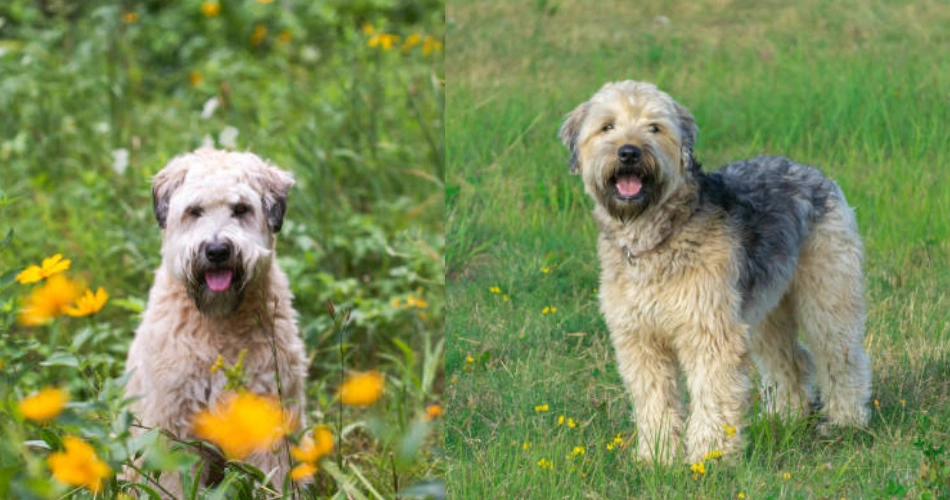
x=648 y=369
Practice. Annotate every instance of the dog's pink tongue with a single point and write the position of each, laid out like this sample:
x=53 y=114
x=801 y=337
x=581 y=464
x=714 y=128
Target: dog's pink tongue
x=218 y=281
x=629 y=185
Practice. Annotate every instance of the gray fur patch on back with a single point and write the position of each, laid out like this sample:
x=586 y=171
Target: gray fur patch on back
x=774 y=203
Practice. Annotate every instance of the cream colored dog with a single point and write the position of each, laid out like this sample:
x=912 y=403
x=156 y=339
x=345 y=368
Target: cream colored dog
x=218 y=291
x=701 y=270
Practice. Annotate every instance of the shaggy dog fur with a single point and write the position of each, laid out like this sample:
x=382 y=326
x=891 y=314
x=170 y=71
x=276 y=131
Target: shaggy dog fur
x=700 y=270
x=218 y=291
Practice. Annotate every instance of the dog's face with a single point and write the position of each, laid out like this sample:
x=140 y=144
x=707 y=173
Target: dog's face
x=632 y=144
x=219 y=211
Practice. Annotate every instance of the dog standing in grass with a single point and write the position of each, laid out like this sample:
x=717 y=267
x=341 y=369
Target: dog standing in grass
x=700 y=270
x=218 y=291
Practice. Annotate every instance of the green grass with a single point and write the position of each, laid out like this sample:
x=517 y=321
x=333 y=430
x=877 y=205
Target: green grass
x=360 y=127
x=852 y=87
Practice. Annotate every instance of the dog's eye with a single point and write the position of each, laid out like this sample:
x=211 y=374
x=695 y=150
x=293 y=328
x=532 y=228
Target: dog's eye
x=240 y=209
x=607 y=128
x=195 y=211
x=653 y=128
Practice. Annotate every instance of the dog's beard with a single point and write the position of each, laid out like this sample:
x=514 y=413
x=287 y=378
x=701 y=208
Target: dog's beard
x=626 y=191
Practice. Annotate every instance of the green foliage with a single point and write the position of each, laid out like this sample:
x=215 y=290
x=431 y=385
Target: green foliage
x=97 y=96
x=851 y=87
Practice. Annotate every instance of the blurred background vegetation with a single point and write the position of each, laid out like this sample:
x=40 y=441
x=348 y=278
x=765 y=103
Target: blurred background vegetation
x=97 y=96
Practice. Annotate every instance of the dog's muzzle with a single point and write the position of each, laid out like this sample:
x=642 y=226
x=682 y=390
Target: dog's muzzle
x=628 y=181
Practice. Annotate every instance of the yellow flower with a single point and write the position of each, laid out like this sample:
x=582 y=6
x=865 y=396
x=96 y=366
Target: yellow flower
x=494 y=289
x=44 y=405
x=560 y=420
x=546 y=464
x=698 y=469
x=50 y=266
x=545 y=270
x=384 y=41
x=418 y=303
x=411 y=41
x=433 y=412
x=712 y=455
x=877 y=404
x=88 y=304
x=526 y=446
x=242 y=424
x=130 y=17
x=541 y=408
x=505 y=298
x=313 y=448
x=571 y=423
x=546 y=310
x=368 y=29
x=740 y=495
x=578 y=451
x=903 y=403
x=303 y=471
x=260 y=31
x=469 y=359
x=211 y=9
x=786 y=476
x=729 y=429
x=49 y=300
x=362 y=389
x=218 y=364
x=284 y=36
x=78 y=465
x=430 y=45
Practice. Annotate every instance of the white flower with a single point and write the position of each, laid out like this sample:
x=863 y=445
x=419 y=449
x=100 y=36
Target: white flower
x=208 y=109
x=101 y=127
x=228 y=137
x=120 y=160
x=207 y=141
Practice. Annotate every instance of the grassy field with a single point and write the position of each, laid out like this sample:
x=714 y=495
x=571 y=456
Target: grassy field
x=97 y=96
x=858 y=88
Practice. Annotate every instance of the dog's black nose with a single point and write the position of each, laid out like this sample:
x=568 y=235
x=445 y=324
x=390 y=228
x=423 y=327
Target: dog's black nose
x=629 y=154
x=218 y=251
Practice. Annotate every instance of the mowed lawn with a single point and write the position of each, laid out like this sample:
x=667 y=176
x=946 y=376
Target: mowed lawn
x=858 y=88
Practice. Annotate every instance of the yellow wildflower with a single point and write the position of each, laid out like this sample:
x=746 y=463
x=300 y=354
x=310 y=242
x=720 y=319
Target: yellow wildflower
x=218 y=364
x=384 y=41
x=303 y=471
x=698 y=469
x=526 y=446
x=44 y=405
x=740 y=495
x=368 y=29
x=211 y=9
x=418 y=303
x=571 y=423
x=78 y=465
x=541 y=408
x=130 y=17
x=430 y=45
x=50 y=266
x=903 y=403
x=362 y=389
x=260 y=31
x=433 y=412
x=505 y=298
x=545 y=270
x=494 y=289
x=469 y=359
x=284 y=36
x=729 y=430
x=713 y=455
x=411 y=41
x=877 y=404
x=578 y=451
x=90 y=303
x=546 y=464
x=786 y=476
x=560 y=420
x=49 y=300
x=313 y=448
x=242 y=424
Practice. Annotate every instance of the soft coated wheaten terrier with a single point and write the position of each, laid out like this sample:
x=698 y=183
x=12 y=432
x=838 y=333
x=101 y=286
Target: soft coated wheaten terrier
x=698 y=270
x=218 y=291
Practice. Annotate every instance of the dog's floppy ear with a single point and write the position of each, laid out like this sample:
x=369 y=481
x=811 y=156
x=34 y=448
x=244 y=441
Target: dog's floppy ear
x=163 y=185
x=569 y=132
x=687 y=127
x=276 y=184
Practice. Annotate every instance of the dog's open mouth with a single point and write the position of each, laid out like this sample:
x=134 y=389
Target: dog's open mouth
x=628 y=185
x=219 y=280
